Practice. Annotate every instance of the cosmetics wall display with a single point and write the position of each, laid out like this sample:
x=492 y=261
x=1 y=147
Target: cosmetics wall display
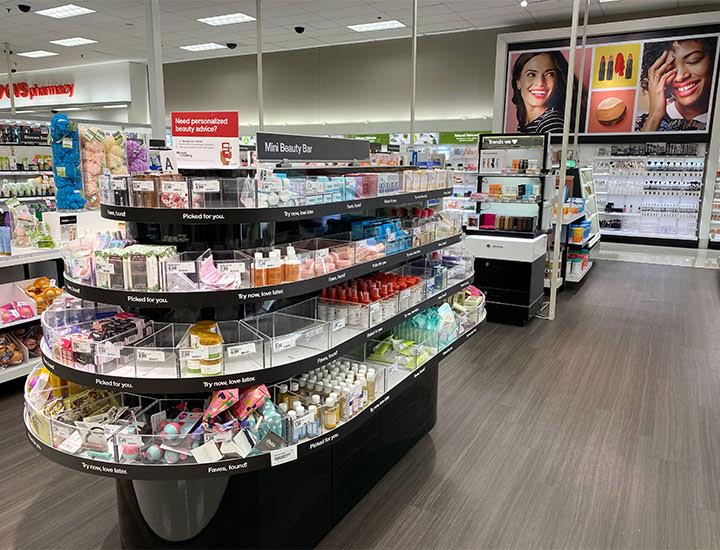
x=276 y=190
x=715 y=213
x=652 y=190
x=124 y=428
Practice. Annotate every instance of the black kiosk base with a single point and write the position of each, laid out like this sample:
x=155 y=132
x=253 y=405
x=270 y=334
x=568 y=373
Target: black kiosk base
x=291 y=506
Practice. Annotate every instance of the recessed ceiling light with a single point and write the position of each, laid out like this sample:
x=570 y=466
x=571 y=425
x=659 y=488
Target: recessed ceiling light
x=523 y=3
x=203 y=47
x=229 y=19
x=77 y=41
x=37 y=53
x=68 y=10
x=379 y=26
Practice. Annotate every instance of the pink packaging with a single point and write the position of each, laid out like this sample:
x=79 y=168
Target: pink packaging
x=250 y=400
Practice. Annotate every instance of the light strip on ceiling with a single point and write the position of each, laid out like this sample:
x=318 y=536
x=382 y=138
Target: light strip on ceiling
x=203 y=47
x=37 y=53
x=76 y=41
x=68 y=10
x=229 y=19
x=378 y=26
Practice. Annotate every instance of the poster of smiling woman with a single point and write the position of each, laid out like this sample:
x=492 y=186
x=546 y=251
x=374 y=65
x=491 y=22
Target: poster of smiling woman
x=631 y=85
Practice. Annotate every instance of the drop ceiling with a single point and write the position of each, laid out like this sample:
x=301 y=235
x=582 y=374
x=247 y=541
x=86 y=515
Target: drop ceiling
x=118 y=26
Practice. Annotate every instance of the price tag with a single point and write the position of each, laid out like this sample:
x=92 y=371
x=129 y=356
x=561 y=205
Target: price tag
x=192 y=353
x=119 y=184
x=181 y=267
x=322 y=253
x=317 y=331
x=283 y=455
x=206 y=186
x=338 y=324
x=67 y=143
x=172 y=186
x=404 y=294
x=239 y=350
x=143 y=185
x=231 y=267
x=60 y=170
x=283 y=344
x=129 y=439
x=105 y=267
x=150 y=355
x=108 y=349
x=81 y=346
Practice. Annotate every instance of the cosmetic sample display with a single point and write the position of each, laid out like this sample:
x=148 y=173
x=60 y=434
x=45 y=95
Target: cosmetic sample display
x=649 y=190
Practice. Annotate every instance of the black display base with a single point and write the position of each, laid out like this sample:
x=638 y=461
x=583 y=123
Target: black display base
x=715 y=245
x=290 y=506
x=511 y=314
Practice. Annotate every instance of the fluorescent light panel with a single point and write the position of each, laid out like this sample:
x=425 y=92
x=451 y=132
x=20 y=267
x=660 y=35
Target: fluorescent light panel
x=77 y=41
x=603 y=1
x=68 y=10
x=379 y=26
x=37 y=53
x=229 y=19
x=203 y=47
x=70 y=109
x=114 y=106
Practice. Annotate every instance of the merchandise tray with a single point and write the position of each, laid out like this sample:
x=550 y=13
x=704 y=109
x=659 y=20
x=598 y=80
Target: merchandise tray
x=266 y=376
x=193 y=299
x=197 y=216
x=238 y=466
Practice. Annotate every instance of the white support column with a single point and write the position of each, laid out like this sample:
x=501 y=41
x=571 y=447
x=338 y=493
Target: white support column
x=155 y=68
x=8 y=64
x=578 y=104
x=413 y=85
x=563 y=161
x=258 y=34
x=712 y=157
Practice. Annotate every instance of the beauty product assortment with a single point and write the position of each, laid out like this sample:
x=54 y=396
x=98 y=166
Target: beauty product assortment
x=233 y=423
x=154 y=190
x=578 y=261
x=40 y=186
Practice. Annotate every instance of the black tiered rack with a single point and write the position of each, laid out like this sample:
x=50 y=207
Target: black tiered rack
x=271 y=500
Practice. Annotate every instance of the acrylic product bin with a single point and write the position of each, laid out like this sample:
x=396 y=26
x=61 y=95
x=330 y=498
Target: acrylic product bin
x=109 y=268
x=157 y=356
x=345 y=319
x=289 y=338
x=182 y=271
x=78 y=260
x=368 y=250
x=144 y=191
x=276 y=191
x=328 y=255
x=207 y=193
x=224 y=269
x=173 y=192
x=115 y=190
x=277 y=264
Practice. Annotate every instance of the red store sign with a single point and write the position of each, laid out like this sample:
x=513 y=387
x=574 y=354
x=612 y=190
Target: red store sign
x=27 y=91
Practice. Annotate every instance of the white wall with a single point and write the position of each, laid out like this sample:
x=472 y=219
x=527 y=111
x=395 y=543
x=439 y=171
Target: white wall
x=347 y=86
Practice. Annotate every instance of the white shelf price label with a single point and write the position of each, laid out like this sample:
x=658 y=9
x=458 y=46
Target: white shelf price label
x=81 y=346
x=239 y=350
x=231 y=267
x=282 y=456
x=282 y=344
x=338 y=324
x=206 y=186
x=181 y=267
x=150 y=355
x=192 y=353
x=173 y=186
x=108 y=349
x=143 y=185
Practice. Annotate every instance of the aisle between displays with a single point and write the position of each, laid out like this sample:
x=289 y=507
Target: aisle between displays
x=394 y=300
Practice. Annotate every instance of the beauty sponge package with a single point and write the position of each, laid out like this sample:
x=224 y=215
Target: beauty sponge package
x=115 y=155
x=137 y=154
x=93 y=163
x=65 y=144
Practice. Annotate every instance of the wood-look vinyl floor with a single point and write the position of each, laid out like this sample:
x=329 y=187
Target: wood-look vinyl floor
x=598 y=430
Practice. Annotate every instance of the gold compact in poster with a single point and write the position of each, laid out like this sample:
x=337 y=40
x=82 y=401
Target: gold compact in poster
x=658 y=84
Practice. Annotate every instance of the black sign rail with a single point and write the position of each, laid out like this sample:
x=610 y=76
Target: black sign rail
x=194 y=299
x=241 y=465
x=265 y=376
x=295 y=148
x=251 y=215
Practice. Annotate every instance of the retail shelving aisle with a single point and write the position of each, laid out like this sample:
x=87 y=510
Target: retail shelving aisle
x=375 y=360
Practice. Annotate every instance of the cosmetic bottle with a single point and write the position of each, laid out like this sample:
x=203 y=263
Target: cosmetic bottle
x=211 y=344
x=371 y=385
x=292 y=416
x=292 y=265
x=365 y=393
x=313 y=427
x=295 y=388
x=286 y=422
x=331 y=414
x=302 y=426
x=259 y=270
x=275 y=268
x=295 y=403
x=282 y=396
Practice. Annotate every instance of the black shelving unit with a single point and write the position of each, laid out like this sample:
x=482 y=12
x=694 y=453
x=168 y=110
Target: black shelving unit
x=234 y=503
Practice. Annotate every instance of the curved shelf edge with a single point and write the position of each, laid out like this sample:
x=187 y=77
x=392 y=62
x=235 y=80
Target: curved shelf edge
x=196 y=298
x=196 y=216
x=236 y=466
x=266 y=376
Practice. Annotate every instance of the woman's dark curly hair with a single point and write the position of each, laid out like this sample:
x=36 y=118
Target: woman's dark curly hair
x=557 y=100
x=653 y=50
